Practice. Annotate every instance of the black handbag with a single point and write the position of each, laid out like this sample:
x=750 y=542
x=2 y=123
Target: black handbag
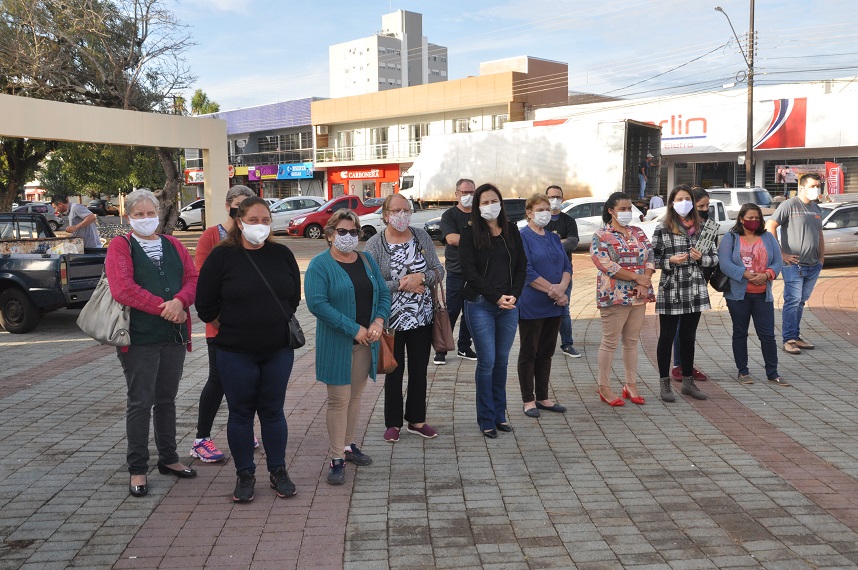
x=719 y=280
x=293 y=329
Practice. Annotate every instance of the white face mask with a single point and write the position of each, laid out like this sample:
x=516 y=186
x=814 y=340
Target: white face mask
x=624 y=218
x=255 y=233
x=467 y=200
x=811 y=193
x=555 y=203
x=400 y=221
x=541 y=219
x=144 y=226
x=346 y=243
x=490 y=211
x=682 y=208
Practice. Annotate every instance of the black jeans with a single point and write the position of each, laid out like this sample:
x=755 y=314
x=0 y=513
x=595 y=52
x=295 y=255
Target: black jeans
x=211 y=396
x=152 y=373
x=418 y=344
x=455 y=305
x=538 y=338
x=666 y=336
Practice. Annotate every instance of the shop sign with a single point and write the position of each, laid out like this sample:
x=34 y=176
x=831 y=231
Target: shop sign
x=194 y=176
x=358 y=174
x=264 y=172
x=295 y=171
x=231 y=171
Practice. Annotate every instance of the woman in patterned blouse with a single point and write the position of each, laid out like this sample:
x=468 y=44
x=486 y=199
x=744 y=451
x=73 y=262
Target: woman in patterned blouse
x=682 y=291
x=624 y=257
x=410 y=267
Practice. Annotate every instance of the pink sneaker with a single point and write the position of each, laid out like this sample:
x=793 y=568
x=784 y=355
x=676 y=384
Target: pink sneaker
x=207 y=452
x=425 y=430
x=391 y=435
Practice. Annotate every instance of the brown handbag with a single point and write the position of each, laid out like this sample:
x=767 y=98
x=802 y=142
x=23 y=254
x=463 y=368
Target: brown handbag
x=386 y=362
x=442 y=332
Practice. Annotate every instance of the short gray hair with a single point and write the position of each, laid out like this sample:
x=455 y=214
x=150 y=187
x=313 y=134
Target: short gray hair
x=138 y=195
x=239 y=190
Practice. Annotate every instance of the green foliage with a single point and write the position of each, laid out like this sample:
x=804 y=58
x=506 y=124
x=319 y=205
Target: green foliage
x=202 y=105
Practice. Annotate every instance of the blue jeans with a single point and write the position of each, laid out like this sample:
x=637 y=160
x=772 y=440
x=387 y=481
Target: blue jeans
x=642 y=182
x=799 y=281
x=256 y=384
x=754 y=305
x=566 y=321
x=497 y=332
x=677 y=360
x=455 y=284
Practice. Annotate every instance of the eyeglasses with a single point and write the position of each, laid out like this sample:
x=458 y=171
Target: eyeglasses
x=344 y=231
x=178 y=337
x=405 y=211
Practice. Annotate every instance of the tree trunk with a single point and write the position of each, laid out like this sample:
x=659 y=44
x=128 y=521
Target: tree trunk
x=169 y=195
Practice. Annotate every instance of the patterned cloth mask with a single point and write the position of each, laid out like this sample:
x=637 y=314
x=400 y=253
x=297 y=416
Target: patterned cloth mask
x=400 y=220
x=346 y=243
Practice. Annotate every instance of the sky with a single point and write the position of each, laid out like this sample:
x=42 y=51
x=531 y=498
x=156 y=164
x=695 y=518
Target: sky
x=256 y=52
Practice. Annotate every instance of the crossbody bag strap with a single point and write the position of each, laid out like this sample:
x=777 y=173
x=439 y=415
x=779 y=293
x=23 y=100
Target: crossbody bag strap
x=267 y=284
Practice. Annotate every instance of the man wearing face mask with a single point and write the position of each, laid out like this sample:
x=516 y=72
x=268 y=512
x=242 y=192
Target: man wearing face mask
x=566 y=228
x=803 y=247
x=453 y=221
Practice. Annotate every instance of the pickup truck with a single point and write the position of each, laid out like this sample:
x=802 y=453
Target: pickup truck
x=40 y=272
x=312 y=225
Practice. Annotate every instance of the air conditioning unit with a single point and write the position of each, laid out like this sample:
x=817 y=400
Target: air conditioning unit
x=321 y=129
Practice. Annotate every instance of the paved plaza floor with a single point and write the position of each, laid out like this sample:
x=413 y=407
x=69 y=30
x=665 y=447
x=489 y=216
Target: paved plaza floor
x=757 y=476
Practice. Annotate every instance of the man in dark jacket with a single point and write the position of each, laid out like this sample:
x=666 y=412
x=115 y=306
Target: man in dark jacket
x=565 y=227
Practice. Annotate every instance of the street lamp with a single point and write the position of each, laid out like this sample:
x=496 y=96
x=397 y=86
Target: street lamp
x=749 y=61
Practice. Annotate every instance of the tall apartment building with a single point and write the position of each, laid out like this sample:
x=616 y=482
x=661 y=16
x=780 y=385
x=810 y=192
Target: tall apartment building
x=397 y=56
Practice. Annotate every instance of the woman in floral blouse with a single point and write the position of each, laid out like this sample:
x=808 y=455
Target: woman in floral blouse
x=682 y=291
x=624 y=257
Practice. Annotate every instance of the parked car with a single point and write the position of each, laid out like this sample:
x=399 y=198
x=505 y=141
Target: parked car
x=371 y=224
x=840 y=229
x=311 y=225
x=717 y=212
x=191 y=215
x=514 y=213
x=370 y=202
x=101 y=207
x=47 y=210
x=733 y=198
x=590 y=209
x=282 y=211
x=433 y=228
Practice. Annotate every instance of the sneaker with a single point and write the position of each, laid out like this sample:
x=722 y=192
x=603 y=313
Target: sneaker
x=255 y=442
x=698 y=375
x=244 y=484
x=281 y=483
x=425 y=430
x=791 y=347
x=206 y=451
x=570 y=351
x=356 y=456
x=745 y=379
x=391 y=435
x=803 y=344
x=676 y=373
x=467 y=354
x=337 y=474
x=440 y=359
x=779 y=381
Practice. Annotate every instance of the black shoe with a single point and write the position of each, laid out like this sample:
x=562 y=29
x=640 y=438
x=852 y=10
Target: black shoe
x=186 y=473
x=440 y=358
x=504 y=427
x=467 y=354
x=357 y=456
x=281 y=483
x=531 y=412
x=490 y=433
x=337 y=474
x=552 y=408
x=244 y=484
x=138 y=490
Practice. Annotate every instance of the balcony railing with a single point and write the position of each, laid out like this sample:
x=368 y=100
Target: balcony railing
x=387 y=151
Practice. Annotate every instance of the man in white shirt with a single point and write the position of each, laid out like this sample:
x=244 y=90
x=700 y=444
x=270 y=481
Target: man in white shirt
x=656 y=202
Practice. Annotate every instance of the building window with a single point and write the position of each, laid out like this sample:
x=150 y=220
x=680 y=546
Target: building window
x=378 y=142
x=460 y=126
x=498 y=121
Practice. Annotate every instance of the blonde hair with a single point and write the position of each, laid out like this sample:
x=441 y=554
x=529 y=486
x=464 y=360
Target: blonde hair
x=535 y=199
x=336 y=218
x=385 y=207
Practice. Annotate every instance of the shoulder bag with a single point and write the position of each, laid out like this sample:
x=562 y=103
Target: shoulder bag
x=104 y=318
x=719 y=280
x=386 y=361
x=294 y=332
x=442 y=332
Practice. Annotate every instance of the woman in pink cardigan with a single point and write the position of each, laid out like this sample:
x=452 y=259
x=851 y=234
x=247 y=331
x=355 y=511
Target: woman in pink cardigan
x=155 y=276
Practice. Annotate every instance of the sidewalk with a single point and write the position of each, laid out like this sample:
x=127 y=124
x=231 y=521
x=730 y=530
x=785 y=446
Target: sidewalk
x=758 y=476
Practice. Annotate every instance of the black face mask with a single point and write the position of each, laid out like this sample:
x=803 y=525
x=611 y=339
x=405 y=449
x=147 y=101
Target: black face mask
x=704 y=214
x=233 y=213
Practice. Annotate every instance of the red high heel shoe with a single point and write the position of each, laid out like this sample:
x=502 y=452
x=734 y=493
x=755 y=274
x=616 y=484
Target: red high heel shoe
x=639 y=400
x=613 y=403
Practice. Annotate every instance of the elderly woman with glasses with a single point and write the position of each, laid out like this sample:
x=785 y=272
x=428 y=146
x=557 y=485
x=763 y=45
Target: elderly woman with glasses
x=154 y=275
x=351 y=301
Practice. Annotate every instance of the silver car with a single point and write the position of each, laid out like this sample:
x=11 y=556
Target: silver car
x=284 y=210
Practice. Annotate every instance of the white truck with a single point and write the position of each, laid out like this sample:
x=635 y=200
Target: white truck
x=585 y=156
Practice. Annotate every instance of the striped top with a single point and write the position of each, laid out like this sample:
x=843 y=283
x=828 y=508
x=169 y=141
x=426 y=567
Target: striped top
x=152 y=248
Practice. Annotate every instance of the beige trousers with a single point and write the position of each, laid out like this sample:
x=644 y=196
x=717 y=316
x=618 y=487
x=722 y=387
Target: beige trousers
x=620 y=321
x=344 y=402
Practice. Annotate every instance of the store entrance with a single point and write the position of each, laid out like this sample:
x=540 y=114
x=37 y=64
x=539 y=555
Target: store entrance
x=707 y=174
x=368 y=189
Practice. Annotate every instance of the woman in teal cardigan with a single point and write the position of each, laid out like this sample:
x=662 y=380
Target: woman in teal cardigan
x=350 y=299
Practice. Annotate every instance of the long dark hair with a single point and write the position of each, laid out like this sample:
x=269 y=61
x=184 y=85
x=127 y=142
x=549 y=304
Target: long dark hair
x=740 y=229
x=611 y=203
x=672 y=221
x=233 y=238
x=482 y=234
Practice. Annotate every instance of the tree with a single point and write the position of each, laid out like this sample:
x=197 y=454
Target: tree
x=202 y=105
x=124 y=54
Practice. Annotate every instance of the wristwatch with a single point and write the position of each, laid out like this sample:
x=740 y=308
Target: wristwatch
x=423 y=279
